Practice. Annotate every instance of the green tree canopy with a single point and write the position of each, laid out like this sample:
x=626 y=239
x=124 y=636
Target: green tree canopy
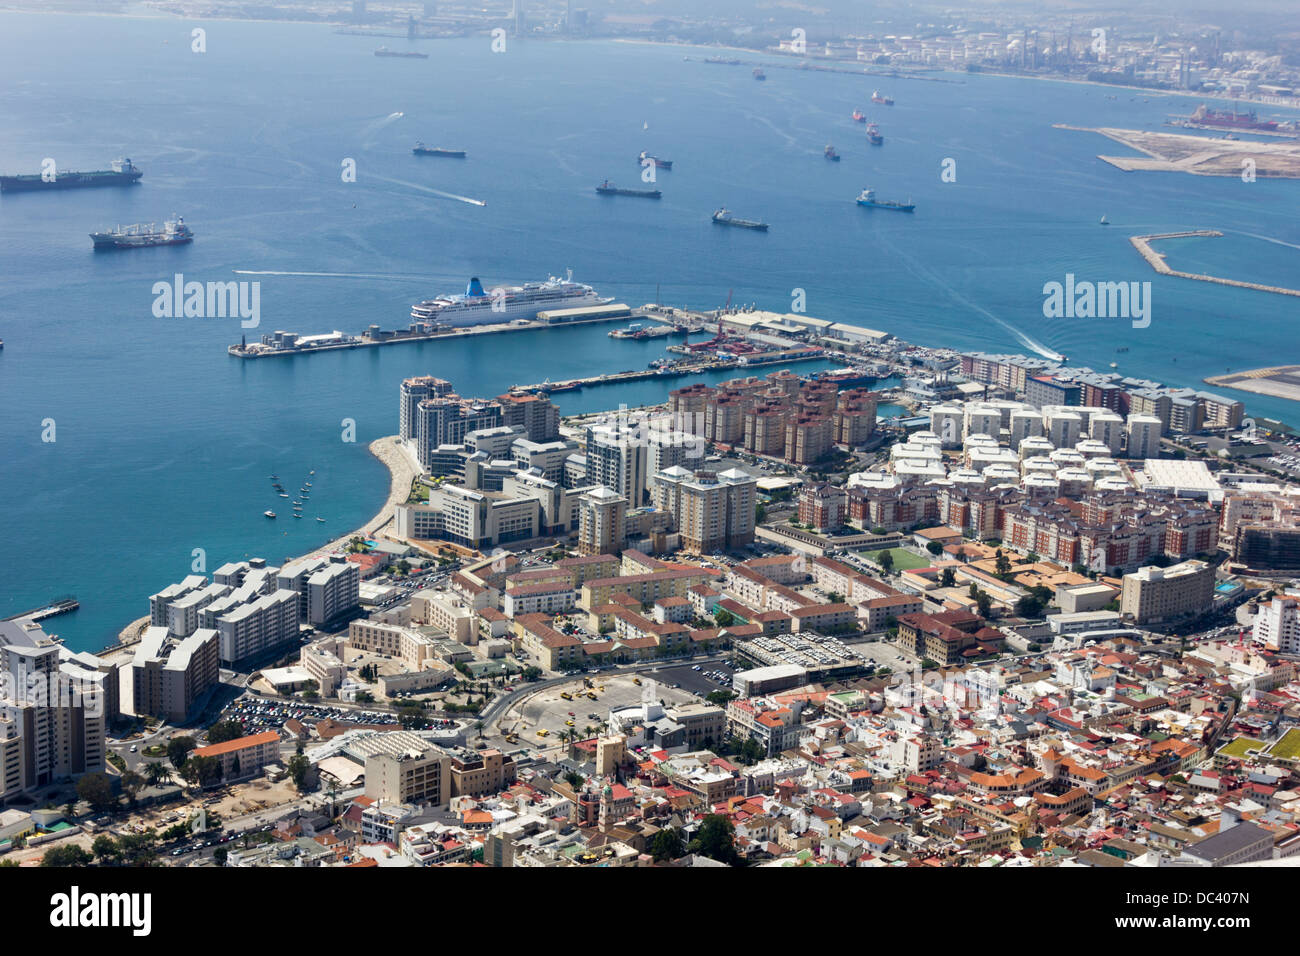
x=96 y=789
x=69 y=854
x=716 y=839
x=178 y=749
x=224 y=730
x=667 y=844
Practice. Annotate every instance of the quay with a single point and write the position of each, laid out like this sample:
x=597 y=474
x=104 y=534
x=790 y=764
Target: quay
x=279 y=344
x=693 y=368
x=61 y=606
x=1157 y=261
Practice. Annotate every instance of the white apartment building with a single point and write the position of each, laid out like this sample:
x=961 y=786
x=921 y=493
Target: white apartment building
x=1279 y=624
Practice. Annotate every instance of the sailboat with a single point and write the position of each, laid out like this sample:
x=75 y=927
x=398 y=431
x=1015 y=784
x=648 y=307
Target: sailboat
x=1104 y=220
x=645 y=125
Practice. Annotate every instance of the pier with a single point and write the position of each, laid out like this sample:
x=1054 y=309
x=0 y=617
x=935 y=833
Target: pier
x=1157 y=261
x=61 y=606
x=375 y=336
x=693 y=368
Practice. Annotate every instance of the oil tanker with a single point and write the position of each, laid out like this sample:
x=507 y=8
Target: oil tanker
x=122 y=173
x=174 y=232
x=422 y=150
x=723 y=217
x=645 y=159
x=609 y=189
x=1234 y=120
x=868 y=198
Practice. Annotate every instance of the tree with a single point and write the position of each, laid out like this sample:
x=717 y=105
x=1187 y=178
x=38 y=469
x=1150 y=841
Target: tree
x=719 y=698
x=70 y=809
x=178 y=749
x=106 y=849
x=835 y=598
x=935 y=548
x=984 y=603
x=132 y=784
x=948 y=578
x=97 y=790
x=1029 y=606
x=886 y=561
x=156 y=773
x=219 y=855
x=1003 y=566
x=574 y=779
x=68 y=855
x=139 y=849
x=724 y=618
x=716 y=839
x=532 y=673
x=667 y=844
x=224 y=730
x=298 y=766
x=760 y=513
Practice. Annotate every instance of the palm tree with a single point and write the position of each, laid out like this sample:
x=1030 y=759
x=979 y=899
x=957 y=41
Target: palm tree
x=157 y=774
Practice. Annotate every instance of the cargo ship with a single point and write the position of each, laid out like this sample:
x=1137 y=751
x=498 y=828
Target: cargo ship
x=645 y=158
x=479 y=307
x=831 y=154
x=422 y=150
x=878 y=97
x=859 y=116
x=174 y=232
x=723 y=217
x=873 y=135
x=759 y=74
x=1234 y=120
x=122 y=173
x=868 y=198
x=409 y=54
x=609 y=189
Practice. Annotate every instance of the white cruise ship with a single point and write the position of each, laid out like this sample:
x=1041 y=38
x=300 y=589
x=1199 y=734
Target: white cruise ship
x=506 y=304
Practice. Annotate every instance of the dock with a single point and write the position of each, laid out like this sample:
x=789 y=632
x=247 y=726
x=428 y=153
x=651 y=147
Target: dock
x=692 y=368
x=1279 y=381
x=1157 y=261
x=61 y=606
x=282 y=344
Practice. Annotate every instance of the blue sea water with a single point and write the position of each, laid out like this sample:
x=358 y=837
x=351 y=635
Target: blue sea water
x=164 y=443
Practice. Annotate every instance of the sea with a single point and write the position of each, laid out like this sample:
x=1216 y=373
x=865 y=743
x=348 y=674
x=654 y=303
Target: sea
x=134 y=450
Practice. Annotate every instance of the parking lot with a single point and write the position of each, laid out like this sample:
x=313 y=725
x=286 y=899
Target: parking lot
x=549 y=710
x=256 y=715
x=693 y=677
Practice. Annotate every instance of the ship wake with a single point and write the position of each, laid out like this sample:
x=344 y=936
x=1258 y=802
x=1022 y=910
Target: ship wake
x=1023 y=338
x=428 y=189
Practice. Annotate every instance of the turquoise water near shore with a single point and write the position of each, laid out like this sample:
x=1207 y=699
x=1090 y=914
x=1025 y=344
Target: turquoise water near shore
x=164 y=442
